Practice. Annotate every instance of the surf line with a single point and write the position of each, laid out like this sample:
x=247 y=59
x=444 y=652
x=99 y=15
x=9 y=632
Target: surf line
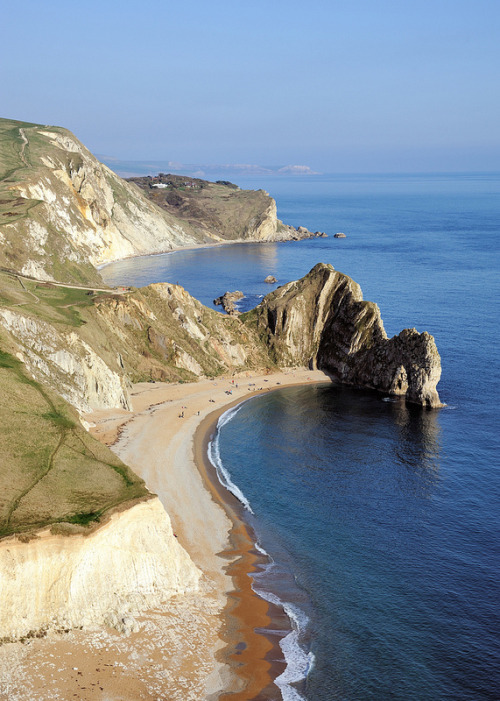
x=261 y=631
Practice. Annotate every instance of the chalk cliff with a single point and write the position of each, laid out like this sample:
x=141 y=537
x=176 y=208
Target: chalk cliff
x=64 y=360
x=161 y=332
x=62 y=212
x=131 y=563
x=82 y=540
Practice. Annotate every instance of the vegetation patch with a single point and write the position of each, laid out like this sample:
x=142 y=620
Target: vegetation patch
x=59 y=419
x=52 y=471
x=84 y=519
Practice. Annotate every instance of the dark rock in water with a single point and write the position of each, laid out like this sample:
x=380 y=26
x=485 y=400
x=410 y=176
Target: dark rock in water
x=227 y=301
x=322 y=321
x=270 y=279
x=339 y=235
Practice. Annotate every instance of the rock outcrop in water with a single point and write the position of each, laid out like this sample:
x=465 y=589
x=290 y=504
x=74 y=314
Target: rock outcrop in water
x=227 y=301
x=322 y=321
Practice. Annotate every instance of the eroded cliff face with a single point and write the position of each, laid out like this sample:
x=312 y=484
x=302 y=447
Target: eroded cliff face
x=67 y=363
x=91 y=352
x=162 y=333
x=322 y=321
x=128 y=565
x=63 y=212
x=67 y=212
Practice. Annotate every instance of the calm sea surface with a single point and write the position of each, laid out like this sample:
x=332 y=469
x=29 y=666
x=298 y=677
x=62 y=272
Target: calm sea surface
x=382 y=520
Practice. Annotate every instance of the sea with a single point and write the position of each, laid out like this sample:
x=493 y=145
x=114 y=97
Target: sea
x=380 y=519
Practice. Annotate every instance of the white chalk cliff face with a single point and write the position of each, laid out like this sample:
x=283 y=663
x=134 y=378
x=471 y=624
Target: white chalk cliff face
x=90 y=213
x=67 y=363
x=68 y=213
x=58 y=582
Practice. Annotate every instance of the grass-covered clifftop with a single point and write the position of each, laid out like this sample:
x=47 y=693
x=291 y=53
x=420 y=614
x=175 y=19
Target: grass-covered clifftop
x=218 y=211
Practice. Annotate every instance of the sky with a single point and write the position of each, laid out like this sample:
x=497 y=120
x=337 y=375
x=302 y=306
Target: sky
x=340 y=86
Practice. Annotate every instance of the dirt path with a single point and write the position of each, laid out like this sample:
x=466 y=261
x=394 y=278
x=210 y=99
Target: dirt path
x=25 y=143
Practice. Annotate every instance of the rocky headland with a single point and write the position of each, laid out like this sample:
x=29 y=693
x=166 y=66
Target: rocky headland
x=63 y=213
x=68 y=349
x=322 y=321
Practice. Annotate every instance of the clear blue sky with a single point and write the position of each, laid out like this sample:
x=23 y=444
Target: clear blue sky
x=339 y=85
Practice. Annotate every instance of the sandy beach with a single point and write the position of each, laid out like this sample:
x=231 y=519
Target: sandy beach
x=198 y=643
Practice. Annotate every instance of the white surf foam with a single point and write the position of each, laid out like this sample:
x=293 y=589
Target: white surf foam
x=214 y=457
x=298 y=662
x=261 y=550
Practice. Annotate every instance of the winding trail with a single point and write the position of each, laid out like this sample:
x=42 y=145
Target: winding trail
x=25 y=143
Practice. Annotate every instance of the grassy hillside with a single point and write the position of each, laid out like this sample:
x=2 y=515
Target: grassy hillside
x=30 y=234
x=217 y=209
x=53 y=472
x=63 y=213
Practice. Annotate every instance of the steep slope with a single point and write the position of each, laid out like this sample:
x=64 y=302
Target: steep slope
x=219 y=211
x=88 y=347
x=322 y=321
x=62 y=212
x=90 y=350
x=57 y=481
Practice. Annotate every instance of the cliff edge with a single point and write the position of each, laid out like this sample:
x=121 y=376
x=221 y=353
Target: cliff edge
x=63 y=212
x=130 y=564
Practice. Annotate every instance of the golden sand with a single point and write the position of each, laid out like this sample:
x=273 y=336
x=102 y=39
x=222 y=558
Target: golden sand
x=200 y=643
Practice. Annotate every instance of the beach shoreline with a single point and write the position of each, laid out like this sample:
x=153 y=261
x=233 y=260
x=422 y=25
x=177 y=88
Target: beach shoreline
x=252 y=657
x=201 y=645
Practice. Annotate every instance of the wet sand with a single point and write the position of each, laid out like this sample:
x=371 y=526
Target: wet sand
x=200 y=643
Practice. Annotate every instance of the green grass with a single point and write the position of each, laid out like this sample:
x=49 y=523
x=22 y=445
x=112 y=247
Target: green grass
x=45 y=301
x=59 y=419
x=8 y=361
x=52 y=471
x=84 y=519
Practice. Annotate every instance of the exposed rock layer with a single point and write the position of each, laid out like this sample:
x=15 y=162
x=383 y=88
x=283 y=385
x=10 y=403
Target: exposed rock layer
x=322 y=321
x=62 y=212
x=162 y=333
x=132 y=563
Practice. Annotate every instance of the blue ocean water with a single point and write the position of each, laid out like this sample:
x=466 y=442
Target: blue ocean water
x=382 y=519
